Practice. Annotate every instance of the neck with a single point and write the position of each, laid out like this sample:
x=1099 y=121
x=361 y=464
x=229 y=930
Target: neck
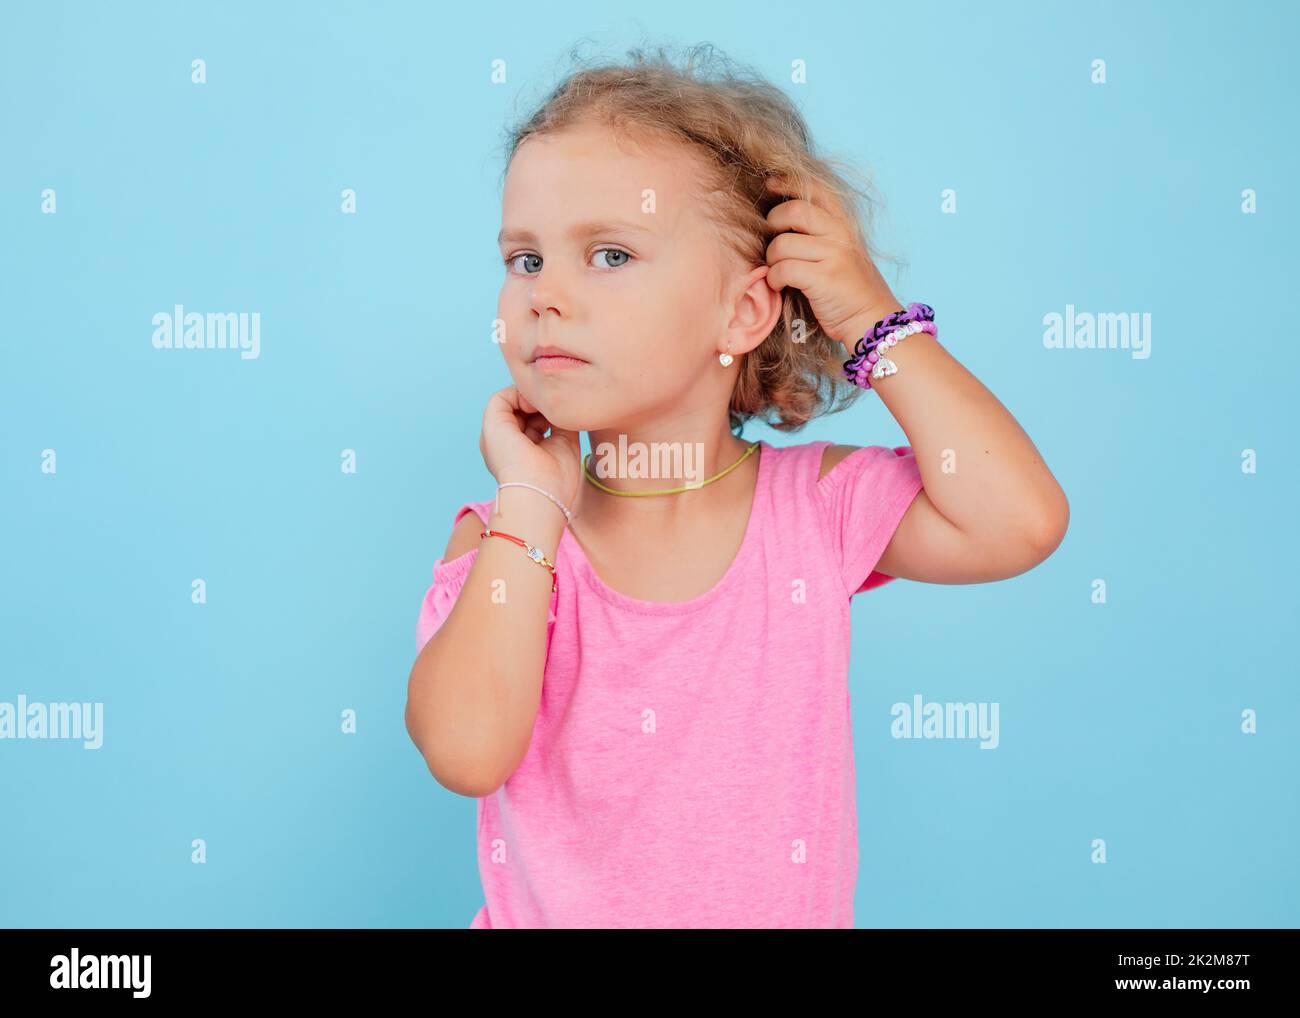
x=629 y=461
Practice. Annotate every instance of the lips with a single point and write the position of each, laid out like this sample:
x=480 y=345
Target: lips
x=554 y=351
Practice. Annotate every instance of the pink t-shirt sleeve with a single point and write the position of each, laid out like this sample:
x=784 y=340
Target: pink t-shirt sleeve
x=862 y=500
x=448 y=578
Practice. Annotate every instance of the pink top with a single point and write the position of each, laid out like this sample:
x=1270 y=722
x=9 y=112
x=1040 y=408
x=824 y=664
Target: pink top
x=691 y=763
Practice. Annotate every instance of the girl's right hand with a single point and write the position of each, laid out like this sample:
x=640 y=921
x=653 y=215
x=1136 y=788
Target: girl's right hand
x=514 y=448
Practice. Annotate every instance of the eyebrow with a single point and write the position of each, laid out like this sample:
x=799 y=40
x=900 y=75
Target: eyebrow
x=577 y=231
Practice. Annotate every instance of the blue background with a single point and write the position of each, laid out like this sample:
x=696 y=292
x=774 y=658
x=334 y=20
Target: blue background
x=222 y=721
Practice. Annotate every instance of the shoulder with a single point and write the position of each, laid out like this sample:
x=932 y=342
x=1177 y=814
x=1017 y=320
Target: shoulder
x=833 y=454
x=464 y=536
x=809 y=462
x=470 y=521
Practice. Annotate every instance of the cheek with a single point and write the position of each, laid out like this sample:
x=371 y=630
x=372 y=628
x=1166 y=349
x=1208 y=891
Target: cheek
x=513 y=319
x=659 y=368
x=664 y=332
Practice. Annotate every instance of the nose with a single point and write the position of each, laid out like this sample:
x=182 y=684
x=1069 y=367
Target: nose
x=546 y=293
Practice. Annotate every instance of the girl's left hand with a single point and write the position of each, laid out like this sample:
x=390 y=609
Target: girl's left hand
x=822 y=258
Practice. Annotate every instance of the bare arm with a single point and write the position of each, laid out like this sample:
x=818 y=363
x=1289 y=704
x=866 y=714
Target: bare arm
x=475 y=688
x=990 y=508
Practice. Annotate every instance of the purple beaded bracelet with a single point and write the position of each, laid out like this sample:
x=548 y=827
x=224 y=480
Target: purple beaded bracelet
x=877 y=365
x=868 y=362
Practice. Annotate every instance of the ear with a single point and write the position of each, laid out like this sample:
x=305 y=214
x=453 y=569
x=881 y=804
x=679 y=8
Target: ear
x=755 y=311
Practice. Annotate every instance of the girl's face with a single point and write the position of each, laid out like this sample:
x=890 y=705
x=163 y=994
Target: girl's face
x=609 y=257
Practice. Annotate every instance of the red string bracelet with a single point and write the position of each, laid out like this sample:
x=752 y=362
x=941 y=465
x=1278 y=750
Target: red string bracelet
x=534 y=553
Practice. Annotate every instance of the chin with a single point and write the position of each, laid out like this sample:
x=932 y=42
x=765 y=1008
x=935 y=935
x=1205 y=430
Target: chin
x=584 y=407
x=568 y=419
x=572 y=412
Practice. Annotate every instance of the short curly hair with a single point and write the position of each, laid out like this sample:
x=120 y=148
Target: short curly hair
x=746 y=129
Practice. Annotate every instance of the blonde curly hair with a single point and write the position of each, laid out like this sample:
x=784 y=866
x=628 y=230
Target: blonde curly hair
x=745 y=130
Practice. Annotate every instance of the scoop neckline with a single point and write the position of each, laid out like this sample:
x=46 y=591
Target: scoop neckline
x=642 y=607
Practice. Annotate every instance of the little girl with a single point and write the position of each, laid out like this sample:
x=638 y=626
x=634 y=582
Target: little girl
x=638 y=661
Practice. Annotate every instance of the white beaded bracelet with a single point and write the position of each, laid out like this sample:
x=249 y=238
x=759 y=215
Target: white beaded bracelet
x=568 y=516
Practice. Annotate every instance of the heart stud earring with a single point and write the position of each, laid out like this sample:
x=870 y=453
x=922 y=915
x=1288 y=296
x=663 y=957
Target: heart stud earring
x=725 y=359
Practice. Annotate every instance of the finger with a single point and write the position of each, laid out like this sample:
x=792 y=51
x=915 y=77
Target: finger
x=799 y=245
x=503 y=400
x=792 y=272
x=511 y=401
x=818 y=193
x=568 y=438
x=536 y=422
x=805 y=217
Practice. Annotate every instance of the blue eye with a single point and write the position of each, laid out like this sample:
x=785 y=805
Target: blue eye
x=537 y=259
x=511 y=261
x=613 y=251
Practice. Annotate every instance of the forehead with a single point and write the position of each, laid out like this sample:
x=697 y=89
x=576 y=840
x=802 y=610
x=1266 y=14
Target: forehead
x=588 y=172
